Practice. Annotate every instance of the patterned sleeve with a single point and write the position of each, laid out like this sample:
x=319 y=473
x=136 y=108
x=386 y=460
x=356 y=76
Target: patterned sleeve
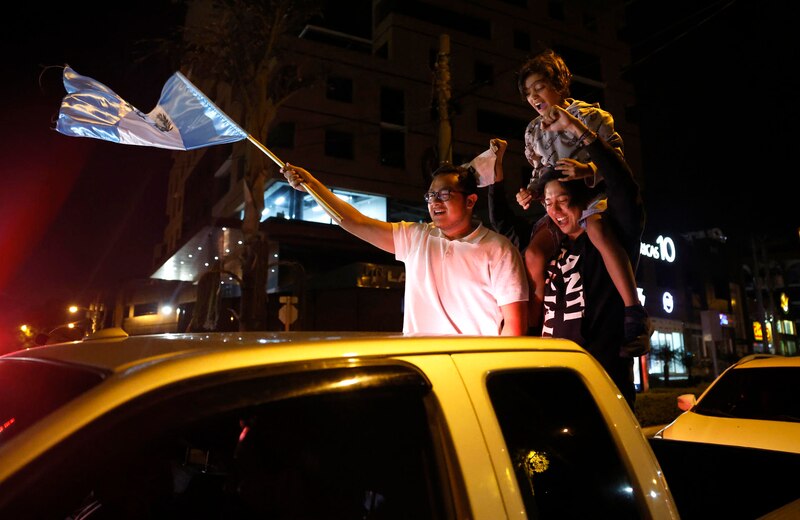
x=605 y=129
x=533 y=158
x=601 y=122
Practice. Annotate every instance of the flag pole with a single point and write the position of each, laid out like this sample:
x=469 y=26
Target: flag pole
x=328 y=209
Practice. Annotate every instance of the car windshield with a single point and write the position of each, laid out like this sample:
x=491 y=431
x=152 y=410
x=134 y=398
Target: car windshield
x=31 y=389
x=755 y=393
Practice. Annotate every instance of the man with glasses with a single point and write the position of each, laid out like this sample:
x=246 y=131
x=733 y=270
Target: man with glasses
x=461 y=277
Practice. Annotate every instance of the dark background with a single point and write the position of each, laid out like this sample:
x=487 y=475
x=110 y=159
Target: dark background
x=715 y=85
x=77 y=214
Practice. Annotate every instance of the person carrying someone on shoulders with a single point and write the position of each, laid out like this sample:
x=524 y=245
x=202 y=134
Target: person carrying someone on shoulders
x=580 y=300
x=544 y=82
x=461 y=277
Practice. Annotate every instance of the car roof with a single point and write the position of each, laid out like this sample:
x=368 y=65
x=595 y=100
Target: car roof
x=766 y=361
x=115 y=351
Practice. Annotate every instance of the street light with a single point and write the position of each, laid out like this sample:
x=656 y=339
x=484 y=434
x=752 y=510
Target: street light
x=94 y=314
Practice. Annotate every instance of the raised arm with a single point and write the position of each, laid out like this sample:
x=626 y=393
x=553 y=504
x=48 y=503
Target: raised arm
x=501 y=217
x=376 y=232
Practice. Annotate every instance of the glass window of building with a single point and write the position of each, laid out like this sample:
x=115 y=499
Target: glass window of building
x=484 y=73
x=281 y=135
x=522 y=41
x=145 y=309
x=500 y=124
x=581 y=63
x=339 y=89
x=393 y=148
x=587 y=92
x=339 y=144
x=282 y=201
x=555 y=9
x=356 y=20
x=393 y=106
x=666 y=357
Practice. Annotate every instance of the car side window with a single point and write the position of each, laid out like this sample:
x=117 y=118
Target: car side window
x=305 y=445
x=565 y=460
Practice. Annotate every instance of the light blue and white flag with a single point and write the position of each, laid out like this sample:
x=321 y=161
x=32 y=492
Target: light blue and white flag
x=183 y=119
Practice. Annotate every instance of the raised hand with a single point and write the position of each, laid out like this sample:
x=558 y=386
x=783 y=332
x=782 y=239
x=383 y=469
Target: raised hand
x=498 y=146
x=556 y=119
x=573 y=169
x=295 y=175
x=524 y=198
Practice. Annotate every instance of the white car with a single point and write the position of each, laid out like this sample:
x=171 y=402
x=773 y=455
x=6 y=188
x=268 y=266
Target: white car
x=319 y=425
x=754 y=403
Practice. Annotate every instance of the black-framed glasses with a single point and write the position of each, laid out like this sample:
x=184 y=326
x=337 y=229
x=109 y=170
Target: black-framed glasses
x=443 y=195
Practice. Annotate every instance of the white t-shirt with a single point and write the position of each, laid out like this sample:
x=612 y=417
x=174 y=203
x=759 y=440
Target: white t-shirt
x=457 y=286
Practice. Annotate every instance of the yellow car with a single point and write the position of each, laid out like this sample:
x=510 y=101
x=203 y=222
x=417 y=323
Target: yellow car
x=319 y=425
x=754 y=403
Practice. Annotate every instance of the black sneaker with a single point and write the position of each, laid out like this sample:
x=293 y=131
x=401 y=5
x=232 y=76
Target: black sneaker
x=637 y=332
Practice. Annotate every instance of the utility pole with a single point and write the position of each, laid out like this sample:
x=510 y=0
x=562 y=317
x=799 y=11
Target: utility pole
x=443 y=92
x=762 y=315
x=777 y=344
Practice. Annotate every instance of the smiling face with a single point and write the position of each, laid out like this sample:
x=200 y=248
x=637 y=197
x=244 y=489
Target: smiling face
x=541 y=94
x=454 y=216
x=557 y=204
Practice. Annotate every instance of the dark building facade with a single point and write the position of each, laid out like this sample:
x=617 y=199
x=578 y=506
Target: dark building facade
x=370 y=130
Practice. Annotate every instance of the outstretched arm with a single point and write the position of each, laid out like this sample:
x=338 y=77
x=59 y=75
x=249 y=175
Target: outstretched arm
x=376 y=232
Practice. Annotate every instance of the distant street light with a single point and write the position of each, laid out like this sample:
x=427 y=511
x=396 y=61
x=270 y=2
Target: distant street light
x=94 y=315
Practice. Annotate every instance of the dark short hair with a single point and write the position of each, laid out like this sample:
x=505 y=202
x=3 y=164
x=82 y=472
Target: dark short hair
x=467 y=180
x=551 y=66
x=579 y=193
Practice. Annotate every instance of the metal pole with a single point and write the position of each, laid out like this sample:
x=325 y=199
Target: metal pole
x=328 y=209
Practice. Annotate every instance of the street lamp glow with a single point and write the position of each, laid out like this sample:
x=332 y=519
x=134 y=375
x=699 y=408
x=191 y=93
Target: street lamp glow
x=92 y=318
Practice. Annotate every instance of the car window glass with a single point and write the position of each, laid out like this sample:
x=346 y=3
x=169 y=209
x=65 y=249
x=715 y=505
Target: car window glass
x=755 y=393
x=361 y=454
x=565 y=461
x=31 y=389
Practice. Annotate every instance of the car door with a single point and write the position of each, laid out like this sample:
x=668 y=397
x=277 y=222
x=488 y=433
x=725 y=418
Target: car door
x=350 y=441
x=562 y=441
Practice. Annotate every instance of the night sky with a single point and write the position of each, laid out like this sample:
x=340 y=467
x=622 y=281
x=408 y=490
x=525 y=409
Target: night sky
x=76 y=214
x=718 y=121
x=718 y=128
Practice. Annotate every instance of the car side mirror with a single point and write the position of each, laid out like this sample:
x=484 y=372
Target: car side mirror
x=686 y=401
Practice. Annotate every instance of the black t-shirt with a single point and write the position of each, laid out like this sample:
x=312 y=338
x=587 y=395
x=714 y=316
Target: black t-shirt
x=581 y=302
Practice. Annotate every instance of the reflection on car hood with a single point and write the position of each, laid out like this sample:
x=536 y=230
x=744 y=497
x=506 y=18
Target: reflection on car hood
x=768 y=435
